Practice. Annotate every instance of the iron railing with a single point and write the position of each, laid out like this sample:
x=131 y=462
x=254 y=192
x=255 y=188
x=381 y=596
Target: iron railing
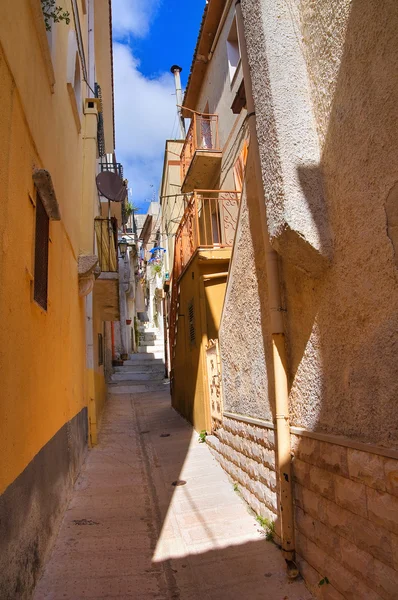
x=106 y=235
x=100 y=122
x=113 y=167
x=202 y=135
x=209 y=221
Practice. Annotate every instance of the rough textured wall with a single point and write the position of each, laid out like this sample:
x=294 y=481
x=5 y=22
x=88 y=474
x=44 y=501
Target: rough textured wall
x=286 y=127
x=349 y=357
x=244 y=334
x=342 y=321
x=323 y=27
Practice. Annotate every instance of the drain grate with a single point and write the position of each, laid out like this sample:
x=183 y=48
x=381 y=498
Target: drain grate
x=164 y=435
x=178 y=482
x=146 y=431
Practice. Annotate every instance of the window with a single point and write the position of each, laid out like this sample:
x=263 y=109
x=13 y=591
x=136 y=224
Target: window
x=233 y=51
x=41 y=254
x=100 y=349
x=191 y=323
x=74 y=78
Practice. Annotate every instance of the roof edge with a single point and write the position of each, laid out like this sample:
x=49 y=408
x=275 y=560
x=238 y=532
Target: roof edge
x=207 y=32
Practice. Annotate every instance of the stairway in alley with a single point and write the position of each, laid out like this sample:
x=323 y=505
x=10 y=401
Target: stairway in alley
x=145 y=368
x=153 y=515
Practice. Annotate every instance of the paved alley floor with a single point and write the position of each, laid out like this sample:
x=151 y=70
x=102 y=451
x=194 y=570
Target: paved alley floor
x=131 y=532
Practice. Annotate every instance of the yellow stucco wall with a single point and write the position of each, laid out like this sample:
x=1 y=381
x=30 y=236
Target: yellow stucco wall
x=41 y=354
x=103 y=67
x=189 y=391
x=44 y=380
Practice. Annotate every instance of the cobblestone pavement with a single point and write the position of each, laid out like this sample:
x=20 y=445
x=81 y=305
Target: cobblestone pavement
x=130 y=532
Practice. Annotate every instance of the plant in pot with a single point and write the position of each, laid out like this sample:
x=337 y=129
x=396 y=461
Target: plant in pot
x=128 y=321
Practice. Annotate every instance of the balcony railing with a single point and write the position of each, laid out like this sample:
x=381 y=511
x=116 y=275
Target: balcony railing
x=209 y=222
x=100 y=122
x=106 y=234
x=112 y=166
x=202 y=135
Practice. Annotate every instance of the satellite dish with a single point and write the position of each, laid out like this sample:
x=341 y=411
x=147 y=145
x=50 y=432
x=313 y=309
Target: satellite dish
x=110 y=185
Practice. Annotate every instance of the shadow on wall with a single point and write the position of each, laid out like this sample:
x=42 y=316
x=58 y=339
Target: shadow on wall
x=341 y=326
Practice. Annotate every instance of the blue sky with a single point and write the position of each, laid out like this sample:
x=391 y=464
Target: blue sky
x=149 y=36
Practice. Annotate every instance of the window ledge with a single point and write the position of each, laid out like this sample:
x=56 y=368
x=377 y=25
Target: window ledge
x=235 y=76
x=40 y=27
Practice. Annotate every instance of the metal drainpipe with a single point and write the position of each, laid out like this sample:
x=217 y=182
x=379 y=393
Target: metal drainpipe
x=283 y=457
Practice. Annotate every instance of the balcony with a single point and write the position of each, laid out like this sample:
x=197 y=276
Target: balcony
x=114 y=167
x=209 y=222
x=107 y=284
x=201 y=154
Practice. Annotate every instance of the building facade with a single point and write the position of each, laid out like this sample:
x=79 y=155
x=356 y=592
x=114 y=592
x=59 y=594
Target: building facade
x=59 y=281
x=307 y=335
x=207 y=205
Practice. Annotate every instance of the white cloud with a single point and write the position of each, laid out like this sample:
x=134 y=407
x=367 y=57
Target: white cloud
x=132 y=17
x=145 y=112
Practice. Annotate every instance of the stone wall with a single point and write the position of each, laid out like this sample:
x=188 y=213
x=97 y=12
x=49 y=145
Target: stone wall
x=247 y=453
x=345 y=505
x=346 y=516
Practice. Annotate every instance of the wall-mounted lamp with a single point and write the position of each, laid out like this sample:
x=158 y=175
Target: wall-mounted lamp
x=123 y=247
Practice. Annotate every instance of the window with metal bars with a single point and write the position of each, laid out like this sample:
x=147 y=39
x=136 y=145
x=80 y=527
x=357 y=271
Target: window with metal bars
x=191 y=323
x=40 y=288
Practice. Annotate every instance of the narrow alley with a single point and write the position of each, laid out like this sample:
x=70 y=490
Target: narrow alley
x=199 y=300
x=153 y=515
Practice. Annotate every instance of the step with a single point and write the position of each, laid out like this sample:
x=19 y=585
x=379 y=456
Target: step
x=148 y=337
x=142 y=367
x=135 y=377
x=145 y=359
x=138 y=388
x=148 y=330
x=156 y=342
x=158 y=350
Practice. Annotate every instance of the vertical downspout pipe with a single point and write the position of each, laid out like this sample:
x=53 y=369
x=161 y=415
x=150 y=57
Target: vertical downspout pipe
x=283 y=457
x=176 y=70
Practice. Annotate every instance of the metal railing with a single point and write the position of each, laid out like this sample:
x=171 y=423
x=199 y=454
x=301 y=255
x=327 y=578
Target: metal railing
x=100 y=123
x=113 y=167
x=202 y=135
x=209 y=221
x=106 y=235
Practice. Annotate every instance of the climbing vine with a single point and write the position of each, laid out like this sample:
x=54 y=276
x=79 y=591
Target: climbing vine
x=53 y=13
